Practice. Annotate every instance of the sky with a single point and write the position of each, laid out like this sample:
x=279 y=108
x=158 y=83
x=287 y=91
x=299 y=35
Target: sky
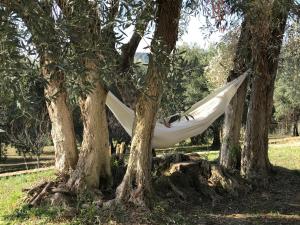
x=194 y=35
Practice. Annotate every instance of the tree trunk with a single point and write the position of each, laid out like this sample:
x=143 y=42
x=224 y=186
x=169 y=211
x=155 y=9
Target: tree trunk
x=136 y=185
x=62 y=130
x=216 y=145
x=255 y=162
x=93 y=167
x=295 y=123
x=230 y=153
x=87 y=36
x=267 y=33
x=139 y=165
x=295 y=129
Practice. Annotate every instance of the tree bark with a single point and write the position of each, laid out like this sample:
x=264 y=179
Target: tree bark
x=230 y=153
x=62 y=129
x=93 y=167
x=136 y=184
x=295 y=129
x=267 y=35
x=124 y=87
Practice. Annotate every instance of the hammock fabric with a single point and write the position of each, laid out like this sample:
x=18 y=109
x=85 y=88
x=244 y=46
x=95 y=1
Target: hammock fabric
x=204 y=113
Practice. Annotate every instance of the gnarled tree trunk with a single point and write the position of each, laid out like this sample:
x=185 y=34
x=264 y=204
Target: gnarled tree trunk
x=267 y=33
x=136 y=184
x=139 y=165
x=230 y=153
x=93 y=167
x=125 y=87
x=62 y=130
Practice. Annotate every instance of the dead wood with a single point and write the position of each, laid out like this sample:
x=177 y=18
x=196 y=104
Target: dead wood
x=191 y=177
x=38 y=196
x=35 y=189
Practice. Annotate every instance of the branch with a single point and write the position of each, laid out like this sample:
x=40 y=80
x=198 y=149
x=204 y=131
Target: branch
x=129 y=49
x=295 y=9
x=29 y=12
x=114 y=9
x=65 y=7
x=83 y=30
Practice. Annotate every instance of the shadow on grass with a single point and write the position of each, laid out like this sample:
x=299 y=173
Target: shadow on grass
x=35 y=215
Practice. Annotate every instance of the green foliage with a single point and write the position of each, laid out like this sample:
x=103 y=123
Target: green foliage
x=196 y=84
x=3 y=151
x=286 y=96
x=23 y=109
x=186 y=81
x=222 y=61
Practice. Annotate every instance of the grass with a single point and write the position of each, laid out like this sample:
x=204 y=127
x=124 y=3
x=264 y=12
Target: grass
x=285 y=152
x=287 y=157
x=11 y=195
x=274 y=206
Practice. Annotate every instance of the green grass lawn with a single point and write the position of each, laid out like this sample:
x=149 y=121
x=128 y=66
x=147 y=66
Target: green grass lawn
x=285 y=156
x=11 y=195
x=13 y=211
x=285 y=152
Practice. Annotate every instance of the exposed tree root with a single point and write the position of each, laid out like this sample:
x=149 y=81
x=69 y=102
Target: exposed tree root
x=227 y=182
x=54 y=192
x=38 y=196
x=191 y=178
x=184 y=177
x=134 y=193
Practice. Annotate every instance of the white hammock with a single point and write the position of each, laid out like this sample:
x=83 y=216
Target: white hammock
x=204 y=113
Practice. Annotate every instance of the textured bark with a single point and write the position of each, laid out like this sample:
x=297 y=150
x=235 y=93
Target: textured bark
x=62 y=130
x=136 y=185
x=93 y=167
x=266 y=43
x=139 y=165
x=230 y=153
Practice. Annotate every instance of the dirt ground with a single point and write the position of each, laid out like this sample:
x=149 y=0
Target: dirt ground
x=278 y=204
